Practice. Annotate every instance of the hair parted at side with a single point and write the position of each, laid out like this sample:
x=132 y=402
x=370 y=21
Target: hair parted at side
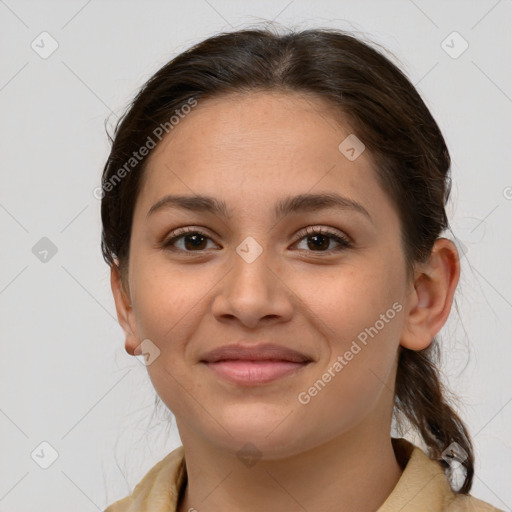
x=382 y=108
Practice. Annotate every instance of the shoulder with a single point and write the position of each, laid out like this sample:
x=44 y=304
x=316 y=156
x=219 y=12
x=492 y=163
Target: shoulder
x=466 y=503
x=159 y=490
x=424 y=486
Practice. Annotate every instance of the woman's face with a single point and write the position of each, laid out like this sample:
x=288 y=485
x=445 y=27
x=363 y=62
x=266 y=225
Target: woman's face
x=255 y=276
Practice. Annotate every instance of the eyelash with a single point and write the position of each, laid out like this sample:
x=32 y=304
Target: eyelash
x=343 y=241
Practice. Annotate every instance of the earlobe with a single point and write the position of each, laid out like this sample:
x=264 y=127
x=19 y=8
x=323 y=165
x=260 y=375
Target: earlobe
x=124 y=311
x=431 y=299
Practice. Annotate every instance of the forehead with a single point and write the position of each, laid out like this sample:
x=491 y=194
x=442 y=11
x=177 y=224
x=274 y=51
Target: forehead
x=235 y=125
x=258 y=146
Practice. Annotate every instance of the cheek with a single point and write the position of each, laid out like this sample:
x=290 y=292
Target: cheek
x=361 y=315
x=352 y=300
x=167 y=315
x=169 y=308
x=356 y=377
x=164 y=298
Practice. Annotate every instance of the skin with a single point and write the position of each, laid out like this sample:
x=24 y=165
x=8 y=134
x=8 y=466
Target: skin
x=251 y=151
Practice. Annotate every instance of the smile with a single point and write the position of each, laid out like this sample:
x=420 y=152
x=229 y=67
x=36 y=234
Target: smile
x=252 y=373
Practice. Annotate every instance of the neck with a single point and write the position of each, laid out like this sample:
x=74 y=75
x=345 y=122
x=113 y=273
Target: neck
x=336 y=475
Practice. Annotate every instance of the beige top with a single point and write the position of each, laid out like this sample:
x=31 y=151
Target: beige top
x=423 y=486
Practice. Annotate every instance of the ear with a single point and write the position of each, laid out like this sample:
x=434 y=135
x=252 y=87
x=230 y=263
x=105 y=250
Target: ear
x=125 y=313
x=430 y=302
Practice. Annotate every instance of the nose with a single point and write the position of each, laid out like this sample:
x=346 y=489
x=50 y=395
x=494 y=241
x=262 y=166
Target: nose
x=253 y=294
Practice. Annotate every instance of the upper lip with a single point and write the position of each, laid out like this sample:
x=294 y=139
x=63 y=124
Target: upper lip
x=261 y=352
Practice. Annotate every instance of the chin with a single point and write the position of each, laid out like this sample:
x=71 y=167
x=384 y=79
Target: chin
x=273 y=430
x=256 y=445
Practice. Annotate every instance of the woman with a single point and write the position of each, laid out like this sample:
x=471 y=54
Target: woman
x=272 y=210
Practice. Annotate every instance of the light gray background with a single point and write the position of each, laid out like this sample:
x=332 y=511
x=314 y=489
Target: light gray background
x=65 y=376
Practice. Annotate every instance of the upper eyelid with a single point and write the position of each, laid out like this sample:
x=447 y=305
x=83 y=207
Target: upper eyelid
x=324 y=230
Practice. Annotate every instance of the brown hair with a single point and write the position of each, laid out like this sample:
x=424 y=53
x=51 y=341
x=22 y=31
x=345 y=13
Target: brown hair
x=384 y=110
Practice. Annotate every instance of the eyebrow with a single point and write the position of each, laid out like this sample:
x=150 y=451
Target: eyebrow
x=289 y=205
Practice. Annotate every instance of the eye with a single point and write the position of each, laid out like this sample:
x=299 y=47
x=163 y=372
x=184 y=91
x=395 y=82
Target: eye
x=193 y=240
x=319 y=239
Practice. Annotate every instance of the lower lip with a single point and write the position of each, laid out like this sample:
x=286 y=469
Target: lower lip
x=254 y=372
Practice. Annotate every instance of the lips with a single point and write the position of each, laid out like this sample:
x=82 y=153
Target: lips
x=255 y=364
x=266 y=352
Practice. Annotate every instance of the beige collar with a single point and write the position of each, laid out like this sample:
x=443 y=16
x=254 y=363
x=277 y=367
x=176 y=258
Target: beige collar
x=423 y=486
